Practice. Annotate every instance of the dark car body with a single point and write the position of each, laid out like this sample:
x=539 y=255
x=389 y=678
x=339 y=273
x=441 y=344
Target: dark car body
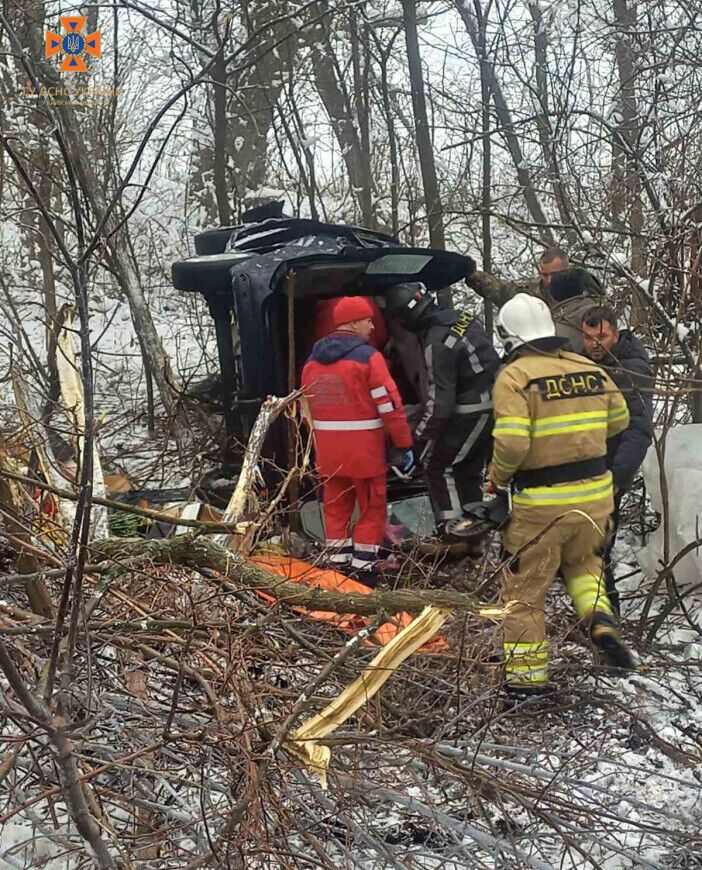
x=264 y=279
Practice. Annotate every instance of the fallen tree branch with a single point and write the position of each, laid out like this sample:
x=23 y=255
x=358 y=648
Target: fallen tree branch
x=202 y=553
x=147 y=513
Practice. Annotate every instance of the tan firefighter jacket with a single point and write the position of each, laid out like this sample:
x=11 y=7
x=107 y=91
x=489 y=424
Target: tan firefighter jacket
x=555 y=410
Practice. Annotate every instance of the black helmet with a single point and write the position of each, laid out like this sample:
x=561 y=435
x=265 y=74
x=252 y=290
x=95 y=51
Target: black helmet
x=409 y=302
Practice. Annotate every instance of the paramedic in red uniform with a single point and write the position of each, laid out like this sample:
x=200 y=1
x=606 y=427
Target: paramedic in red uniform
x=354 y=404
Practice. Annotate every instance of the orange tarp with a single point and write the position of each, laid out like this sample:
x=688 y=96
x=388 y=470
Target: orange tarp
x=297 y=571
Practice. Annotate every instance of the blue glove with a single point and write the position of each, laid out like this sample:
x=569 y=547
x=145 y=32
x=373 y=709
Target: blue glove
x=407 y=462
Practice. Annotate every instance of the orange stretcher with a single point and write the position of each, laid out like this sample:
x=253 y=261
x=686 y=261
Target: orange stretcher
x=297 y=571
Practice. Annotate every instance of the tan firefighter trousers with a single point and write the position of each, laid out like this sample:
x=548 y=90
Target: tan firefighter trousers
x=572 y=545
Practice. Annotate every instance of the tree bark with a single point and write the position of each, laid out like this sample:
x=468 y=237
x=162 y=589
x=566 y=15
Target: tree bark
x=242 y=102
x=627 y=205
x=486 y=193
x=543 y=120
x=432 y=196
x=199 y=553
x=332 y=90
x=504 y=116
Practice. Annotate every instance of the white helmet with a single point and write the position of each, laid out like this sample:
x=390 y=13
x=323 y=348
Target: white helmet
x=523 y=319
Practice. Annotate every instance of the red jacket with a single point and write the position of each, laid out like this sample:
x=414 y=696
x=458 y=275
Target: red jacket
x=354 y=402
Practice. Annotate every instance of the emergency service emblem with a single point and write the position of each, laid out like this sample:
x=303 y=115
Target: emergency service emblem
x=573 y=385
x=73 y=44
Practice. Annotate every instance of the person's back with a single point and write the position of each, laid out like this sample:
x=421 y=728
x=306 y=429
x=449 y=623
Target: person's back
x=353 y=403
x=564 y=404
x=570 y=297
x=554 y=412
x=461 y=363
x=340 y=379
x=453 y=434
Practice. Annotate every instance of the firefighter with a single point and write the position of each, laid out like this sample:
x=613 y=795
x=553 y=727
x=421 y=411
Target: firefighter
x=453 y=435
x=353 y=405
x=554 y=412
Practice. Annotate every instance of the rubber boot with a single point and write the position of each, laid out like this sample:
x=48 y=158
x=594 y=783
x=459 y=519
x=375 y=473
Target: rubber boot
x=605 y=636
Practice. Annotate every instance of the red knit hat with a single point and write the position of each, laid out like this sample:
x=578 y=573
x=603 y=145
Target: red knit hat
x=350 y=308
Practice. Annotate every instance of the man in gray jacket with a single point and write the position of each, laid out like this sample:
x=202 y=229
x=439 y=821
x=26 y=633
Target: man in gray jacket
x=570 y=297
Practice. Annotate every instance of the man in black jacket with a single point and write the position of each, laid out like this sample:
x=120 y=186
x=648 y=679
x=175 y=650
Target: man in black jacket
x=454 y=433
x=625 y=359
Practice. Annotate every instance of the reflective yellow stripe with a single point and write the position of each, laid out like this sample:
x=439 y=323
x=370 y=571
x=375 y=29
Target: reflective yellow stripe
x=523 y=647
x=559 y=424
x=525 y=663
x=589 y=491
x=618 y=413
x=569 y=428
x=588 y=593
x=519 y=426
x=525 y=676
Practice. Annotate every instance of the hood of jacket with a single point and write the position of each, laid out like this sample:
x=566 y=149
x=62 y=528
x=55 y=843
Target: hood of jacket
x=335 y=346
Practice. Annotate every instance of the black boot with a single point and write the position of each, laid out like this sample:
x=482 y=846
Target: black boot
x=611 y=587
x=605 y=636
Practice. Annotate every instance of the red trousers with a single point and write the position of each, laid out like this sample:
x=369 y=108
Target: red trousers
x=340 y=497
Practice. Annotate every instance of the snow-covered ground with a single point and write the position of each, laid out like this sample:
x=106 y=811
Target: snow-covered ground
x=608 y=774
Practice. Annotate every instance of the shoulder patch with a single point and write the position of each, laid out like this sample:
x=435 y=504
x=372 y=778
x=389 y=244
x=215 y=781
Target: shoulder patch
x=573 y=385
x=458 y=330
x=461 y=325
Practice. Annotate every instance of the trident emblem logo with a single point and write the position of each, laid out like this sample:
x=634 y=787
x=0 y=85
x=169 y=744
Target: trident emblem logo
x=73 y=45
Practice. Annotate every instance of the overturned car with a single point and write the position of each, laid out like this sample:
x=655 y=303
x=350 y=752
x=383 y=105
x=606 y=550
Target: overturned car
x=263 y=282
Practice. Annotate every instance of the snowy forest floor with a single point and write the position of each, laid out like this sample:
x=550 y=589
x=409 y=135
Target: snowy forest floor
x=183 y=683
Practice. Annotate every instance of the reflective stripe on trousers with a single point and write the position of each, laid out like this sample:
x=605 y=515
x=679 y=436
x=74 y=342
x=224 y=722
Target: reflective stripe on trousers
x=526 y=664
x=589 y=593
x=339 y=550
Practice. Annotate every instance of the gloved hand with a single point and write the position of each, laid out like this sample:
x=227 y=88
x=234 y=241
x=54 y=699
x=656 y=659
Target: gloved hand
x=493 y=489
x=406 y=463
x=500 y=507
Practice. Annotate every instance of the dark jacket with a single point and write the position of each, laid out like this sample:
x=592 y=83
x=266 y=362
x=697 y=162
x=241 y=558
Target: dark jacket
x=461 y=367
x=630 y=368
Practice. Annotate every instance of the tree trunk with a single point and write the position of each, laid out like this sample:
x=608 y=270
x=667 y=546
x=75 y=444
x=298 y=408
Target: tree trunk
x=543 y=120
x=201 y=552
x=626 y=194
x=504 y=117
x=330 y=85
x=234 y=147
x=219 y=77
x=486 y=192
x=432 y=197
